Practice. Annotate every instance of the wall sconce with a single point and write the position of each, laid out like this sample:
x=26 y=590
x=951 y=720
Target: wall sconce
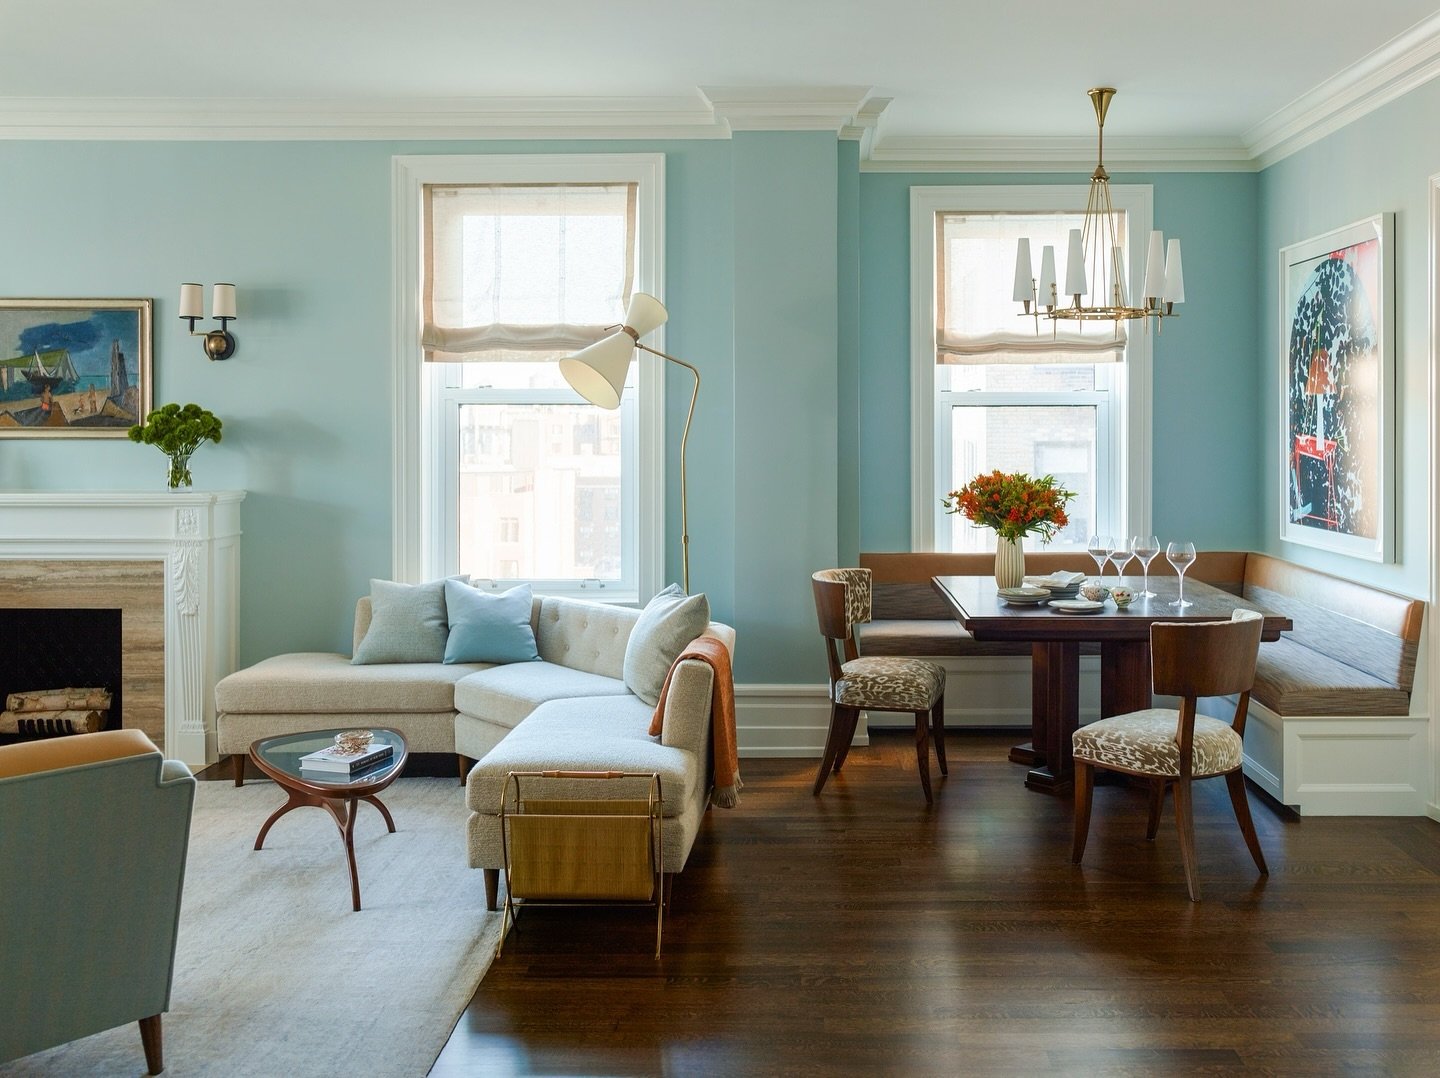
x=218 y=343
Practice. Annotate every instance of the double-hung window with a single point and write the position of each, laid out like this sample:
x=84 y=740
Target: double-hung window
x=995 y=391
x=523 y=261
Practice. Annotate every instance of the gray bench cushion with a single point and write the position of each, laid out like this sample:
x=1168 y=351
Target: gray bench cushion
x=322 y=683
x=506 y=694
x=1292 y=679
x=606 y=734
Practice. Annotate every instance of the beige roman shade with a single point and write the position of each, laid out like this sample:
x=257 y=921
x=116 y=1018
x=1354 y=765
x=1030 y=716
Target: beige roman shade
x=524 y=272
x=976 y=318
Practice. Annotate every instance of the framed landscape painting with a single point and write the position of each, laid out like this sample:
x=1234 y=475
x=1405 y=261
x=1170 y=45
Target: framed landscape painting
x=74 y=368
x=1337 y=390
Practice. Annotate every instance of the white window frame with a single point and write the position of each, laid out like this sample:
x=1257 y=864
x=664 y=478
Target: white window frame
x=1127 y=448
x=421 y=546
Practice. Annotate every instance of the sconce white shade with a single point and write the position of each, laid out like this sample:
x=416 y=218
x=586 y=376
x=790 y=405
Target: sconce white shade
x=597 y=372
x=1155 y=266
x=222 y=301
x=645 y=314
x=1024 y=271
x=191 y=302
x=1075 y=266
x=1047 y=275
x=1174 y=274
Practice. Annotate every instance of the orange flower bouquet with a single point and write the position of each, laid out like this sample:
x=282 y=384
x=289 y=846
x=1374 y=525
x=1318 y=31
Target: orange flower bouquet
x=1014 y=505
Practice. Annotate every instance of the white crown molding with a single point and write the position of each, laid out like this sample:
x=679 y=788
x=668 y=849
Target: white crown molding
x=1394 y=69
x=865 y=126
x=437 y=118
x=1057 y=154
x=787 y=108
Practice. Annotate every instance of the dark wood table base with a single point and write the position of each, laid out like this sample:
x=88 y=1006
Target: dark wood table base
x=343 y=811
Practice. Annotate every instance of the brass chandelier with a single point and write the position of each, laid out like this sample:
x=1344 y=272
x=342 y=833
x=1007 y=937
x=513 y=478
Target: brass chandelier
x=1095 y=260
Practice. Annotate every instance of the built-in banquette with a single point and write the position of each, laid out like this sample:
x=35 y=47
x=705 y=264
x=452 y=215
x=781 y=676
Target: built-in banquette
x=1336 y=727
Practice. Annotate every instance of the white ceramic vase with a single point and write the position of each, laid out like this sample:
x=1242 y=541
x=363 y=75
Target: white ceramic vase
x=1009 y=562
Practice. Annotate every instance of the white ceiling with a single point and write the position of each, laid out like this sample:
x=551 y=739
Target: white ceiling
x=1214 y=68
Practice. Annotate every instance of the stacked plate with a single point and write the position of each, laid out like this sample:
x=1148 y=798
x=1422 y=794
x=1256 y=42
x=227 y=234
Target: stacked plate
x=1076 y=606
x=1027 y=595
x=1058 y=589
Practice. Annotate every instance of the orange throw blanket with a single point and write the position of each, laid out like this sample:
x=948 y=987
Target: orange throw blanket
x=725 y=758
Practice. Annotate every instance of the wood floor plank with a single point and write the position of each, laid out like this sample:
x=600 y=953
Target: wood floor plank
x=859 y=933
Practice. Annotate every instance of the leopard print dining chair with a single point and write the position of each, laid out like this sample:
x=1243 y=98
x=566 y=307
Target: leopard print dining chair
x=1172 y=748
x=876 y=683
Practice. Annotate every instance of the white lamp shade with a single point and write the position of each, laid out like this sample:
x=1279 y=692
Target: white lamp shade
x=1155 y=266
x=1075 y=266
x=645 y=314
x=190 y=301
x=1047 y=275
x=222 y=301
x=1174 y=274
x=597 y=372
x=1024 y=270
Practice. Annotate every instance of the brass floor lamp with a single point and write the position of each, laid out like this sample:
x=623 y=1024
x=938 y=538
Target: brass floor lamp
x=598 y=372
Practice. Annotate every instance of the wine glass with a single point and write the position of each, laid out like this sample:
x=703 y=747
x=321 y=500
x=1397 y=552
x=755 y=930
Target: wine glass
x=1100 y=547
x=1146 y=548
x=1180 y=555
x=1121 y=556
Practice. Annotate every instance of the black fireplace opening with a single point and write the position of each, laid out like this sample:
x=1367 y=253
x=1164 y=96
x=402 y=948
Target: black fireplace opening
x=59 y=649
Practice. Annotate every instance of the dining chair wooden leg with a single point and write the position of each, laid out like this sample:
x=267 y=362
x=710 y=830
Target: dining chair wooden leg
x=1084 y=788
x=832 y=746
x=922 y=752
x=1185 y=822
x=937 y=732
x=1235 y=781
x=852 y=720
x=1157 y=803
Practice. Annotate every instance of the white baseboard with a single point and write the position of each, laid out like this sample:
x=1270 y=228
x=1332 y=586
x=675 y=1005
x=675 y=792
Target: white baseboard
x=1338 y=765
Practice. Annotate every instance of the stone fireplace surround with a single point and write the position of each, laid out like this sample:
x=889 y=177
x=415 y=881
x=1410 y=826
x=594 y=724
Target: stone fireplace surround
x=170 y=561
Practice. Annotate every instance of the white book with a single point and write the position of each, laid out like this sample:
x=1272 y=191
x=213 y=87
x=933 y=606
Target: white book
x=330 y=759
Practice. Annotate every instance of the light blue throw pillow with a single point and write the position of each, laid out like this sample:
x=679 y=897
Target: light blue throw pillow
x=669 y=621
x=488 y=628
x=407 y=624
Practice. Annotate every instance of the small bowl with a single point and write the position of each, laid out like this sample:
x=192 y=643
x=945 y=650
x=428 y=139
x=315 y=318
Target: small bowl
x=1095 y=592
x=1123 y=597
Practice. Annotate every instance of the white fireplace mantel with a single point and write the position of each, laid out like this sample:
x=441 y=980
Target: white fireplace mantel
x=196 y=534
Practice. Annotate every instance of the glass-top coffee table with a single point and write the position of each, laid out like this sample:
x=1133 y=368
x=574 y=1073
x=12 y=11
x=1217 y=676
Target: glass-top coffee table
x=338 y=794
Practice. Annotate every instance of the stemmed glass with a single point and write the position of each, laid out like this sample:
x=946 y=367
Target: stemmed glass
x=1100 y=547
x=1146 y=547
x=1121 y=556
x=1180 y=555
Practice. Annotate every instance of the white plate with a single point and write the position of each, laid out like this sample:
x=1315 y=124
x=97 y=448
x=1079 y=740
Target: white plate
x=1076 y=606
x=1023 y=593
x=1025 y=600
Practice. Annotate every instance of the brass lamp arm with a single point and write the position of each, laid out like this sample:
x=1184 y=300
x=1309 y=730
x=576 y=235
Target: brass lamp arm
x=684 y=439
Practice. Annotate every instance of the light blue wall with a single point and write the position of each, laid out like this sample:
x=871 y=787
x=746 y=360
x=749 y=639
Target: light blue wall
x=1379 y=163
x=1205 y=409
x=303 y=228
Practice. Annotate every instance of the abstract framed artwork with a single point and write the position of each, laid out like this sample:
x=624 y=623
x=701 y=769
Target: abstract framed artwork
x=74 y=368
x=1337 y=390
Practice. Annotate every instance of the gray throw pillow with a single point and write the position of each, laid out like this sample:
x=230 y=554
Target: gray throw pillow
x=407 y=624
x=669 y=621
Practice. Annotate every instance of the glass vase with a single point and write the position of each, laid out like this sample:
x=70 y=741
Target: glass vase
x=1009 y=562
x=179 y=474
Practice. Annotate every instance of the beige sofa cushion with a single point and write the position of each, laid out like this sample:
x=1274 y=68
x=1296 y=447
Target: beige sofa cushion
x=506 y=694
x=598 y=734
x=322 y=683
x=584 y=636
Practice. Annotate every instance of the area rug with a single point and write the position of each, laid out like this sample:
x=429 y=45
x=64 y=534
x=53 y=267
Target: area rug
x=276 y=975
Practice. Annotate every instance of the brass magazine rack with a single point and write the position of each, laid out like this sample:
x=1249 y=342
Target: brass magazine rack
x=577 y=851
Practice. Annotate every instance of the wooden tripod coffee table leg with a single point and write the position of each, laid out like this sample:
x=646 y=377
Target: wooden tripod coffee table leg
x=343 y=811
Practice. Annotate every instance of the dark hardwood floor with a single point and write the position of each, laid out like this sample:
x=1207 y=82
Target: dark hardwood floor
x=859 y=933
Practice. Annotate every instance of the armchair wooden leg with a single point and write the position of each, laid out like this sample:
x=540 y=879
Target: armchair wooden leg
x=152 y=1039
x=492 y=888
x=937 y=731
x=922 y=752
x=1185 y=821
x=839 y=721
x=237 y=764
x=847 y=736
x=1235 y=781
x=1084 y=788
x=1157 y=803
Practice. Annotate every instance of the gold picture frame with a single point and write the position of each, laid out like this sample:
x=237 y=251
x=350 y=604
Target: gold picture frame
x=75 y=368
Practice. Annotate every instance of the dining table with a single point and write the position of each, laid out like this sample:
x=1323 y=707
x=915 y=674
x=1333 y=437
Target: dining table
x=1123 y=636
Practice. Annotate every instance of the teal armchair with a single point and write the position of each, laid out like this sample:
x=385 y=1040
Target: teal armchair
x=93 y=833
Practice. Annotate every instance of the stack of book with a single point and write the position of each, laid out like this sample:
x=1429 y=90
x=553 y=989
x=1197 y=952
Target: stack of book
x=331 y=759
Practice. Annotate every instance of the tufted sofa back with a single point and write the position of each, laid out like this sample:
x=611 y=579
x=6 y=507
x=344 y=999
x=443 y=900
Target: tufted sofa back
x=584 y=636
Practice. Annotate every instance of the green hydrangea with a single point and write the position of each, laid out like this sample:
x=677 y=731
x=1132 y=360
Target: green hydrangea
x=177 y=431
